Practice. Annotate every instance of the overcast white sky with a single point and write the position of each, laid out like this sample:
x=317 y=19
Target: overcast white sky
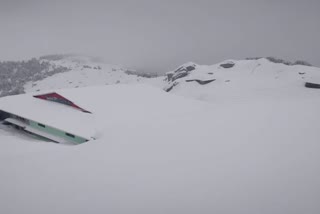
x=158 y=35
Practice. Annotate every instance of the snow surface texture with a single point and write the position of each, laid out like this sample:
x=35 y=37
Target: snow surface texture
x=254 y=148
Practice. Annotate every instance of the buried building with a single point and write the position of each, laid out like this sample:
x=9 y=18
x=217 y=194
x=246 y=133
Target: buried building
x=50 y=116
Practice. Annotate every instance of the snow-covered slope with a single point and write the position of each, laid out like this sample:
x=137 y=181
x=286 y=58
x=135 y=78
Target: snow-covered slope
x=229 y=78
x=254 y=148
x=234 y=78
x=161 y=153
x=83 y=72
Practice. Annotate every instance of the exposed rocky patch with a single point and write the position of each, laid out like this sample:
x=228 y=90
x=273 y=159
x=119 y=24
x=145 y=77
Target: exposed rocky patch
x=169 y=87
x=181 y=72
x=201 y=82
x=253 y=74
x=312 y=85
x=227 y=65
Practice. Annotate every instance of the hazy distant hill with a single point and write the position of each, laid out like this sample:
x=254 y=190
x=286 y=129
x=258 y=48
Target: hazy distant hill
x=14 y=74
x=62 y=71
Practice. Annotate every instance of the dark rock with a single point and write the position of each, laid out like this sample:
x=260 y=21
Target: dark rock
x=169 y=76
x=179 y=75
x=190 y=68
x=4 y=115
x=181 y=72
x=169 y=88
x=201 y=82
x=312 y=85
x=227 y=65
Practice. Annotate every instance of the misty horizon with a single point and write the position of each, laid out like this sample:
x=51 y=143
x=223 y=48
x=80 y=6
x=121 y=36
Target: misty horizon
x=158 y=36
x=99 y=59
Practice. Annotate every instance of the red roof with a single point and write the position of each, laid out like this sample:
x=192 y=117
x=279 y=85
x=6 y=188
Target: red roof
x=55 y=97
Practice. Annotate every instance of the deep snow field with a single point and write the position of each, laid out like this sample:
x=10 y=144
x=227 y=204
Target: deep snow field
x=243 y=149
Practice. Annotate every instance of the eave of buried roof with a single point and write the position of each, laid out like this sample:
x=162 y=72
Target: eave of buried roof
x=52 y=114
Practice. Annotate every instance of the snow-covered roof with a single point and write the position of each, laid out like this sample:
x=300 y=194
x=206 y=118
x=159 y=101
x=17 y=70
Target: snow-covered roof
x=50 y=113
x=111 y=106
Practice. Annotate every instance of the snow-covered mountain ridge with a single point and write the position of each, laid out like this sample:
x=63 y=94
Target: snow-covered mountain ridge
x=192 y=80
x=232 y=77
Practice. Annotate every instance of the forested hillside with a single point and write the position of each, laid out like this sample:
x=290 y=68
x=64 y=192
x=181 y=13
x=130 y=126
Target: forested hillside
x=14 y=74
